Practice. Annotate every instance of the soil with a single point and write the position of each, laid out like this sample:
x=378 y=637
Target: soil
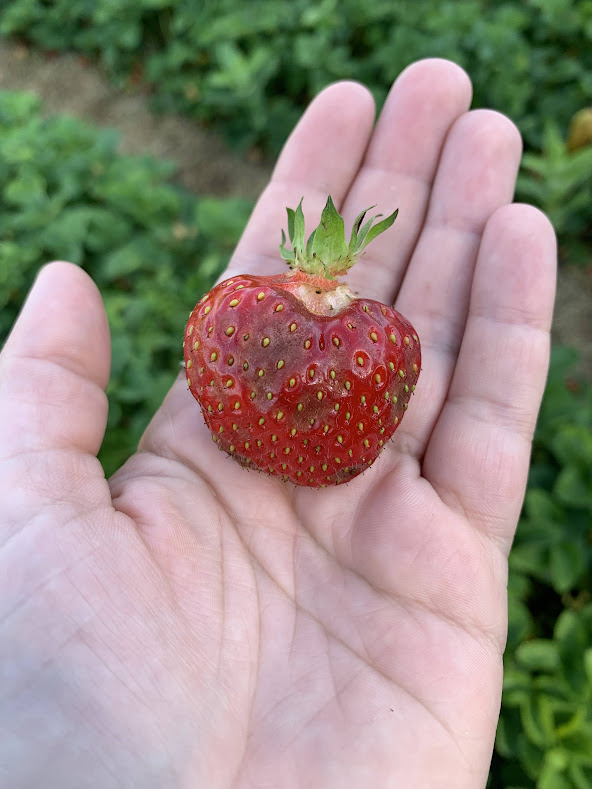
x=206 y=166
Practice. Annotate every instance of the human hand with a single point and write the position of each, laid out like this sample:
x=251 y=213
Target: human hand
x=191 y=624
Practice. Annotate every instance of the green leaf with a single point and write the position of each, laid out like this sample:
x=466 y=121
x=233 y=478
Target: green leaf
x=588 y=665
x=329 y=245
x=380 y=228
x=28 y=187
x=538 y=655
x=356 y=229
x=574 y=486
x=567 y=563
x=534 y=724
x=291 y=220
x=222 y=220
x=364 y=230
x=297 y=232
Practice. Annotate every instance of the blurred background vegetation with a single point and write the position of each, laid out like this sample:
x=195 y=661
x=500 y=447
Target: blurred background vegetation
x=246 y=71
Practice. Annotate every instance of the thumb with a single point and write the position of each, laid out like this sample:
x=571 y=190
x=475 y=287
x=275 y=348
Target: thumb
x=54 y=370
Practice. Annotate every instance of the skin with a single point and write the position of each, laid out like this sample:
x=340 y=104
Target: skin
x=189 y=624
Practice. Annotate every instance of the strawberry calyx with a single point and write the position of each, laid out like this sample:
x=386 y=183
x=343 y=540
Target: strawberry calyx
x=320 y=295
x=327 y=254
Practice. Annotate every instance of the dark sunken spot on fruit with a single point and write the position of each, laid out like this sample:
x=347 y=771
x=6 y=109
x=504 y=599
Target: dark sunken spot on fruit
x=344 y=474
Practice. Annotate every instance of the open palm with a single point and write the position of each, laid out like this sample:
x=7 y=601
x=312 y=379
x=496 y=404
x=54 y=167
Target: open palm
x=191 y=624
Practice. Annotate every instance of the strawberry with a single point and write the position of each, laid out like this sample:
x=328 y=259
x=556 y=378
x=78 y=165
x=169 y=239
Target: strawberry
x=296 y=376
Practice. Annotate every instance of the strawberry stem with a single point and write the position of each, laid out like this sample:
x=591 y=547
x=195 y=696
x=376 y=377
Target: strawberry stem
x=327 y=253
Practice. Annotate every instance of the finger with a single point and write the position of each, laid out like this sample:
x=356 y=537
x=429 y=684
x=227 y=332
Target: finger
x=478 y=454
x=54 y=368
x=400 y=166
x=321 y=157
x=476 y=176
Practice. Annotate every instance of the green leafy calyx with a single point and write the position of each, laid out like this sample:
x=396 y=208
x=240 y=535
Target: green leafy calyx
x=327 y=253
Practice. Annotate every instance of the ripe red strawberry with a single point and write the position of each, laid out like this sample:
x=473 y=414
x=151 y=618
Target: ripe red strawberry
x=295 y=376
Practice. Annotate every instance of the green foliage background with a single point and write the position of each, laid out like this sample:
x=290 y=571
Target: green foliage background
x=153 y=249
x=250 y=67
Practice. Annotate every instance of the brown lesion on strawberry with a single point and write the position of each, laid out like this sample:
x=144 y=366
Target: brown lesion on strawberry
x=346 y=473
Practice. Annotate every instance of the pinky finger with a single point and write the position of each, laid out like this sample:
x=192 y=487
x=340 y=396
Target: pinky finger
x=479 y=451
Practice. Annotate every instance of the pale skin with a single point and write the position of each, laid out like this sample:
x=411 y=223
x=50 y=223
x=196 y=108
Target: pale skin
x=190 y=624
